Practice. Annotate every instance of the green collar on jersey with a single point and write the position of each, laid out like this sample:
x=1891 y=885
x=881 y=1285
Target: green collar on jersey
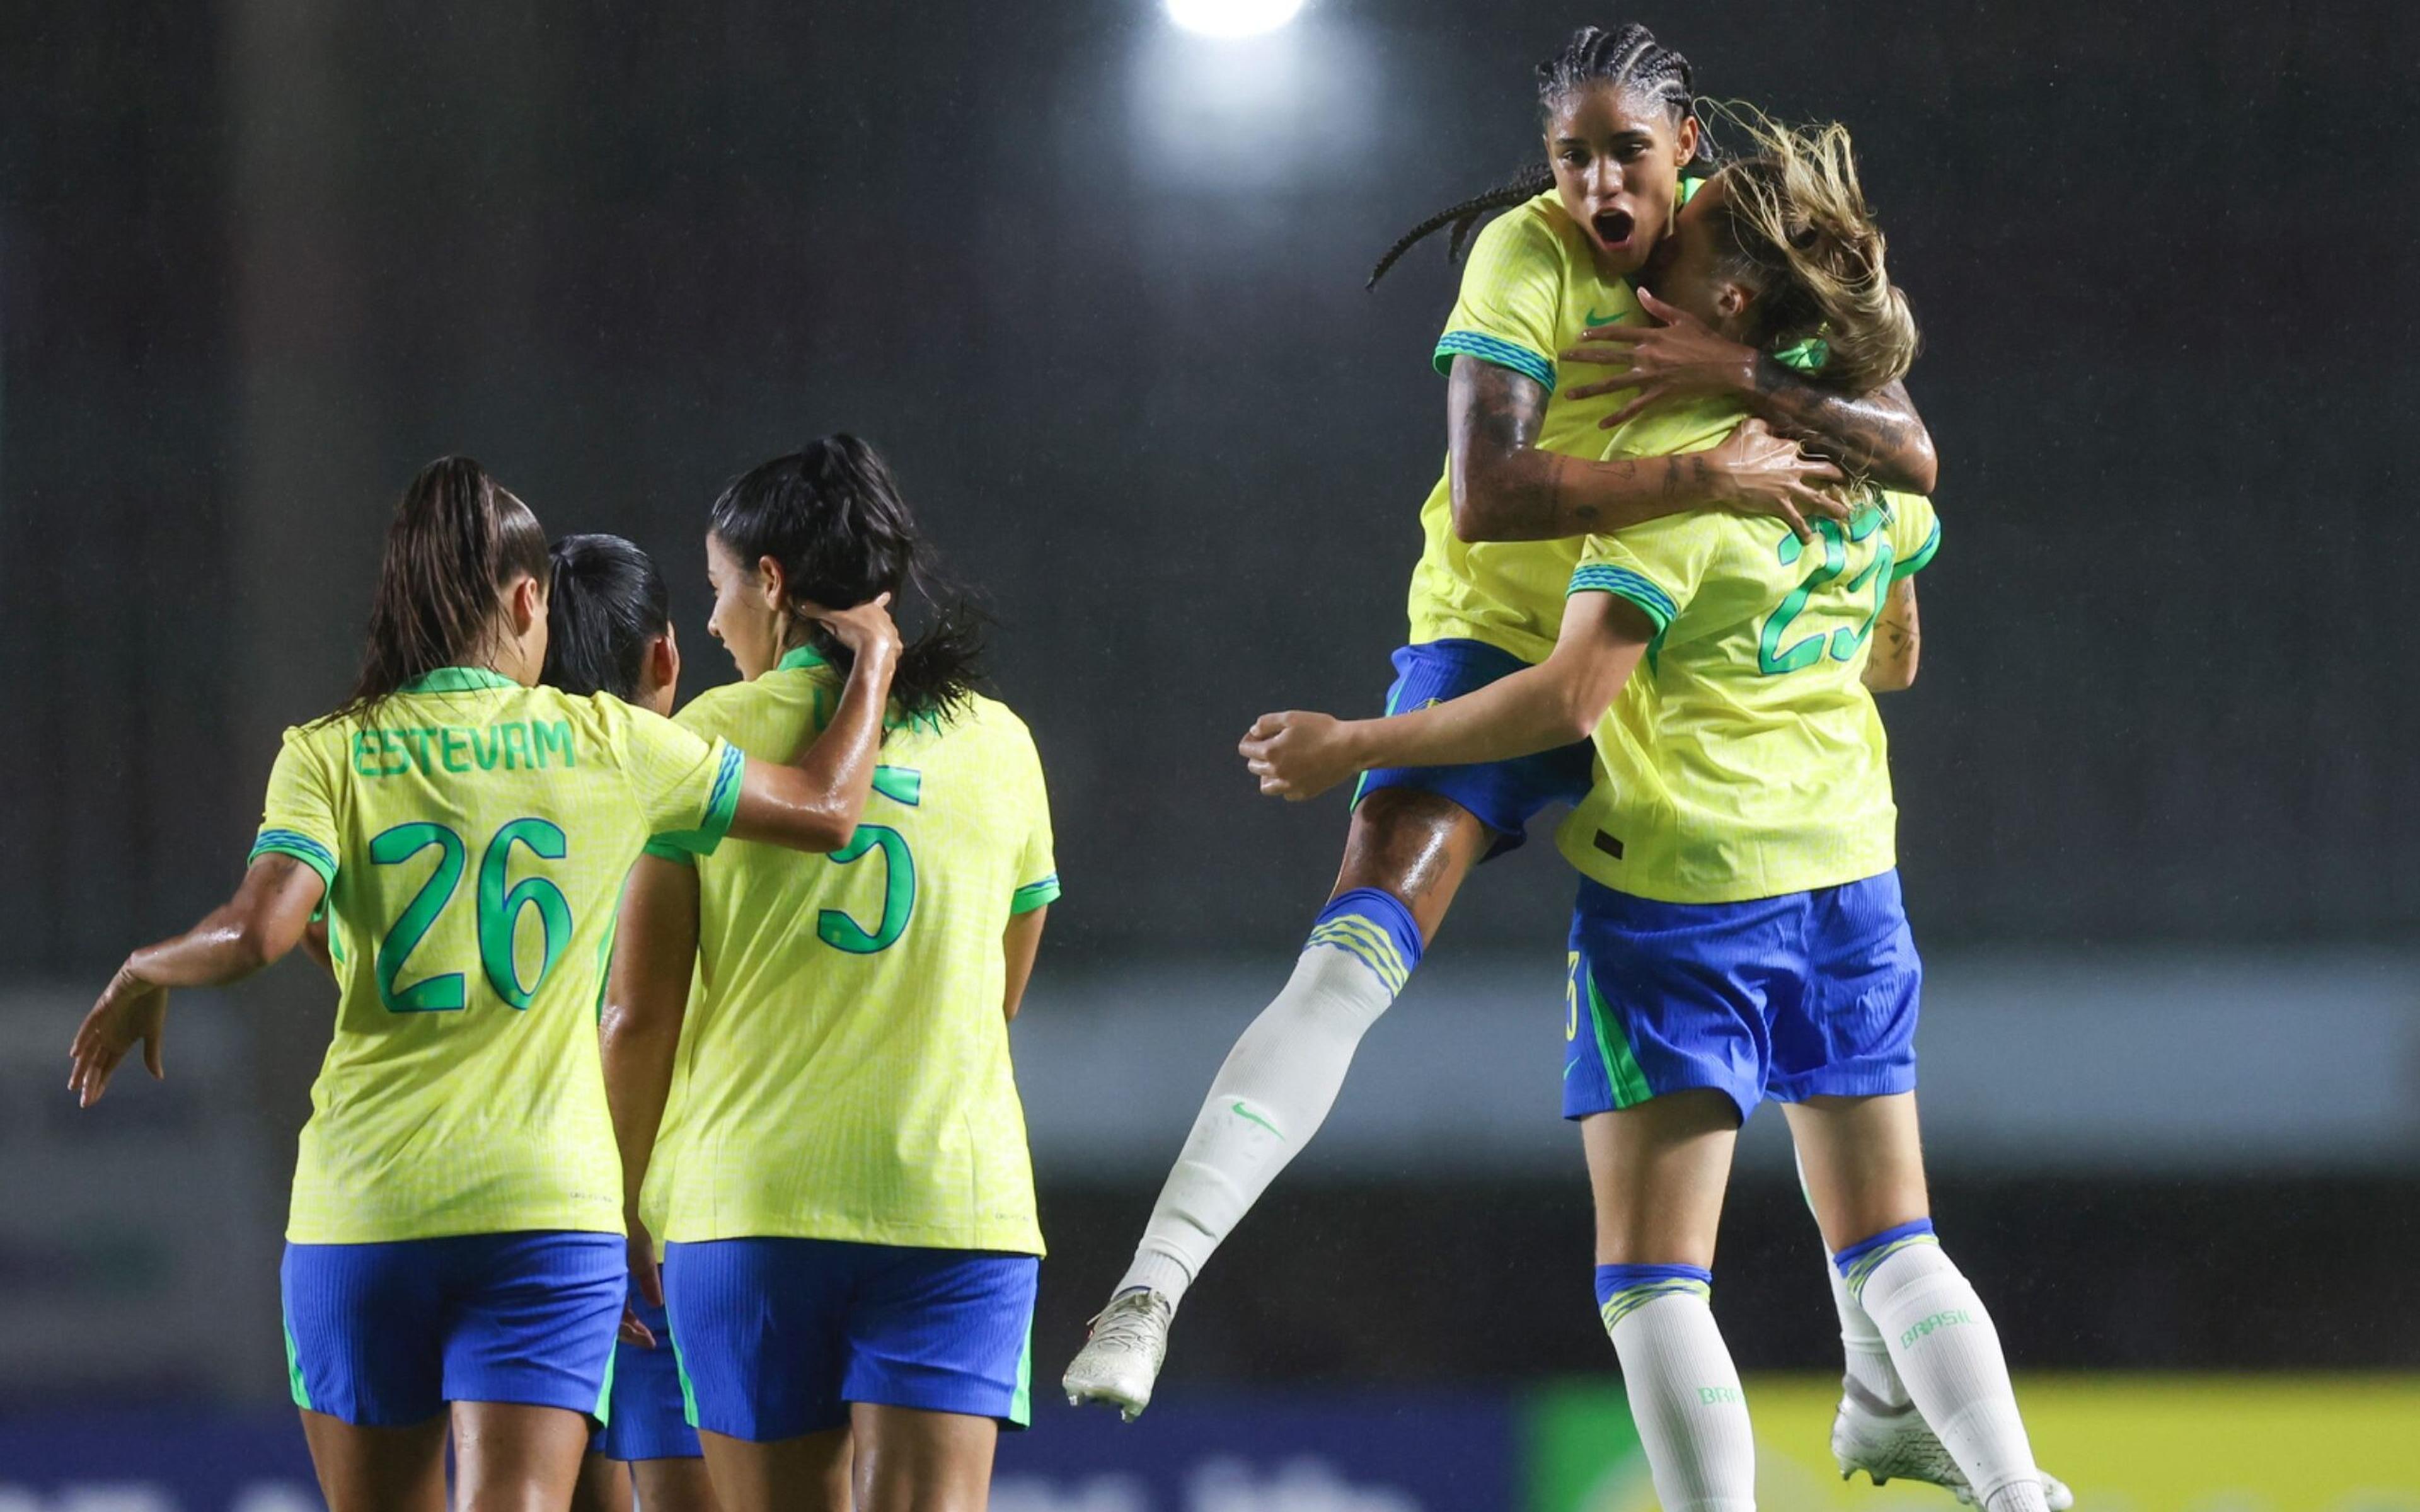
x=798 y=656
x=456 y=680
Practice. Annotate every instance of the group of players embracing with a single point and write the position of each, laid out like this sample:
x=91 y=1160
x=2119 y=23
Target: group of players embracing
x=633 y=1148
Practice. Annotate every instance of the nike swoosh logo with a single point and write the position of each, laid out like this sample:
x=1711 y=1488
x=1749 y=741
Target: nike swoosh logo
x=1615 y=318
x=1250 y=1117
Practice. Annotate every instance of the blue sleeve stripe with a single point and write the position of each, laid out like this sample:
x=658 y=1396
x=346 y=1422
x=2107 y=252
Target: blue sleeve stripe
x=1923 y=556
x=298 y=845
x=1033 y=895
x=1603 y=578
x=1495 y=349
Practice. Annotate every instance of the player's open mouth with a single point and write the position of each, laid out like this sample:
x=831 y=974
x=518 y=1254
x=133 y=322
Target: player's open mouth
x=1613 y=228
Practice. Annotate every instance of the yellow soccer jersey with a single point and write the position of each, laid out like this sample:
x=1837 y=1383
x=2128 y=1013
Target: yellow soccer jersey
x=844 y=1069
x=1528 y=290
x=1745 y=758
x=473 y=837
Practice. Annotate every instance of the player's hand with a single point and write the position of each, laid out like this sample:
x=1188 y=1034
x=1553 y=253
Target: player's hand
x=644 y=1274
x=1298 y=755
x=1681 y=358
x=129 y=1011
x=633 y=1332
x=1758 y=472
x=865 y=630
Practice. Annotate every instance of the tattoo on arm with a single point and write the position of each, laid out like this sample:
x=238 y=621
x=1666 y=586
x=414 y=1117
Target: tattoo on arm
x=1505 y=488
x=1878 y=434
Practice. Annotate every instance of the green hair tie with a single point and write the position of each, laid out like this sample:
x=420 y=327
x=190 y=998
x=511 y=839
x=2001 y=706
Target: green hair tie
x=1807 y=355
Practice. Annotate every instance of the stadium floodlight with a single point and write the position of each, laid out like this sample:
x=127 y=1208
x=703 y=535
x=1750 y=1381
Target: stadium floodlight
x=1232 y=18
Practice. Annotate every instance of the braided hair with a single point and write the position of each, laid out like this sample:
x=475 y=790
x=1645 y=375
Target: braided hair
x=1628 y=57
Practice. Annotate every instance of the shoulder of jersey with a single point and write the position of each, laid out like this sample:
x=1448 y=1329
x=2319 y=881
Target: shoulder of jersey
x=1536 y=225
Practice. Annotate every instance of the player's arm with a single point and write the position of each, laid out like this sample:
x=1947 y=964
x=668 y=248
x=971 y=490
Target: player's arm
x=646 y=995
x=1506 y=487
x=815 y=802
x=1877 y=436
x=1020 y=941
x=253 y=929
x=1890 y=665
x=1298 y=755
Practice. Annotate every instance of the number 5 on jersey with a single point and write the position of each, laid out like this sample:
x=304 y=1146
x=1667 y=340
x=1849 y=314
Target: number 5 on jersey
x=900 y=784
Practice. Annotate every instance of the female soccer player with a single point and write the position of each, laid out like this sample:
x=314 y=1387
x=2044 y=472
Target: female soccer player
x=1521 y=485
x=610 y=630
x=842 y=1182
x=455 y=1231
x=1739 y=932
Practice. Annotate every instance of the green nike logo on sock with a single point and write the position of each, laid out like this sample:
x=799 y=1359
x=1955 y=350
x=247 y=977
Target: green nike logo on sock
x=1247 y=1113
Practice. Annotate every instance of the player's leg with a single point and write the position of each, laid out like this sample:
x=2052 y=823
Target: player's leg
x=915 y=1461
x=363 y=1361
x=1404 y=858
x=1844 y=1063
x=683 y=1485
x=378 y=1470
x=940 y=1359
x=761 y=1332
x=529 y=1362
x=511 y=1457
x=604 y=1485
x=1415 y=835
x=807 y=1473
x=1663 y=1055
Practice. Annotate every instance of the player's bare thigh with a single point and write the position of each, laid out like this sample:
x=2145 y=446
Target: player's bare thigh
x=808 y=1474
x=1863 y=1161
x=378 y=1470
x=1417 y=847
x=912 y=1461
x=513 y=1458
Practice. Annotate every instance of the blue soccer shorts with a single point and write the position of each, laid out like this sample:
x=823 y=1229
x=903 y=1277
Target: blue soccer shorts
x=384 y=1335
x=1505 y=795
x=647 y=1420
x=1810 y=994
x=777 y=1337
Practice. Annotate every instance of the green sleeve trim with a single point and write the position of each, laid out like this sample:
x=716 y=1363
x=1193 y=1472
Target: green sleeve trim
x=1605 y=577
x=1532 y=365
x=662 y=849
x=722 y=804
x=301 y=847
x=1923 y=556
x=1034 y=895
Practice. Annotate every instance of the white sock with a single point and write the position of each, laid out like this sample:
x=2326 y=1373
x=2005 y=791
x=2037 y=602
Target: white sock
x=1866 y=1358
x=1866 y=1368
x=1685 y=1399
x=1948 y=1353
x=1266 y=1102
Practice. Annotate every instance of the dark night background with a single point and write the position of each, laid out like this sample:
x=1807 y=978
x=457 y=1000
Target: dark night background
x=1097 y=293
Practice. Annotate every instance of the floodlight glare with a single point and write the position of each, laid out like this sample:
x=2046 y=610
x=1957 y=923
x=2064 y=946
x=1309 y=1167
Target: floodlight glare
x=1231 y=18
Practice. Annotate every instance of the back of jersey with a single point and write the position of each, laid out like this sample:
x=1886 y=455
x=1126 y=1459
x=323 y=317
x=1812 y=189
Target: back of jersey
x=844 y=1071
x=474 y=835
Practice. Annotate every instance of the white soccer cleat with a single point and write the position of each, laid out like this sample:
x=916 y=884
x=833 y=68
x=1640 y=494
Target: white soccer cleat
x=1121 y=1360
x=1900 y=1444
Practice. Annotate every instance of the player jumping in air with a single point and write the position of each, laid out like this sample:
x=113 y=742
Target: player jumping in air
x=1739 y=933
x=840 y=1181
x=456 y=1236
x=1522 y=484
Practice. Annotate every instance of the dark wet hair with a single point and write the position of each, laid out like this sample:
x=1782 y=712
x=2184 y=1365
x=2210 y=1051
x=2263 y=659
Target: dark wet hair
x=609 y=602
x=831 y=515
x=457 y=537
x=1626 y=56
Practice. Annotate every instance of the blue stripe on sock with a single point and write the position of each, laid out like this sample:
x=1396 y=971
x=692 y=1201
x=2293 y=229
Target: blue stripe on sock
x=1378 y=920
x=1623 y=1290
x=1858 y=1261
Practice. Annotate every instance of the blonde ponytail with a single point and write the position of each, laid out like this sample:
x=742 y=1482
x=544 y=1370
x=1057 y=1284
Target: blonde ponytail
x=1798 y=225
